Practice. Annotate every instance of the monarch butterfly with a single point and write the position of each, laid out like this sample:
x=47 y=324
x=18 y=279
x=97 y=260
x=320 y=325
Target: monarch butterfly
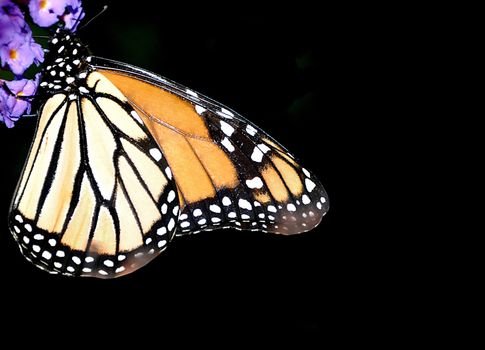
x=123 y=160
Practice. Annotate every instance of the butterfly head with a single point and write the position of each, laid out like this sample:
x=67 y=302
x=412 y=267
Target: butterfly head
x=66 y=64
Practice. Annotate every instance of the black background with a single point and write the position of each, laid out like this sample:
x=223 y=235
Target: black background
x=315 y=79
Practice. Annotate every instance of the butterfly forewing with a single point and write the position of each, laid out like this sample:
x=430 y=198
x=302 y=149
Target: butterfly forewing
x=228 y=172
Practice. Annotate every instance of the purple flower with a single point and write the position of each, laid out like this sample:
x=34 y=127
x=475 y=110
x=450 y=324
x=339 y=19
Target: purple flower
x=9 y=8
x=17 y=48
x=47 y=12
x=20 y=53
x=74 y=14
x=12 y=22
x=11 y=106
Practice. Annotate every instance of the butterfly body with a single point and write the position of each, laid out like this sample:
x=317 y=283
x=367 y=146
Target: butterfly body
x=123 y=160
x=68 y=65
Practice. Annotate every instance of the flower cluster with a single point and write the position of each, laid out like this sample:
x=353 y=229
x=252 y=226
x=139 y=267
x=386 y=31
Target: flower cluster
x=19 y=51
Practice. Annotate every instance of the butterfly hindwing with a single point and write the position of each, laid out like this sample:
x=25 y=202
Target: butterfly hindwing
x=96 y=197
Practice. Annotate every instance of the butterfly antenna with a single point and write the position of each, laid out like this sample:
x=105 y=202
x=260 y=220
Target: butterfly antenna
x=105 y=7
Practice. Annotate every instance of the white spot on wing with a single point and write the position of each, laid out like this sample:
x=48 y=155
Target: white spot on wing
x=250 y=130
x=225 y=111
x=305 y=199
x=226 y=128
x=46 y=255
x=197 y=212
x=272 y=208
x=171 y=224
x=199 y=109
x=168 y=171
x=156 y=154
x=171 y=196
x=255 y=183
x=191 y=93
x=226 y=201
x=215 y=208
x=291 y=207
x=227 y=144
x=244 y=204
x=264 y=148
x=306 y=172
x=310 y=185
x=257 y=155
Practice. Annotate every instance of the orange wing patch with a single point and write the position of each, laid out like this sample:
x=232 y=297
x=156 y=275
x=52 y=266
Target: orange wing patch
x=289 y=174
x=275 y=185
x=198 y=165
x=161 y=104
